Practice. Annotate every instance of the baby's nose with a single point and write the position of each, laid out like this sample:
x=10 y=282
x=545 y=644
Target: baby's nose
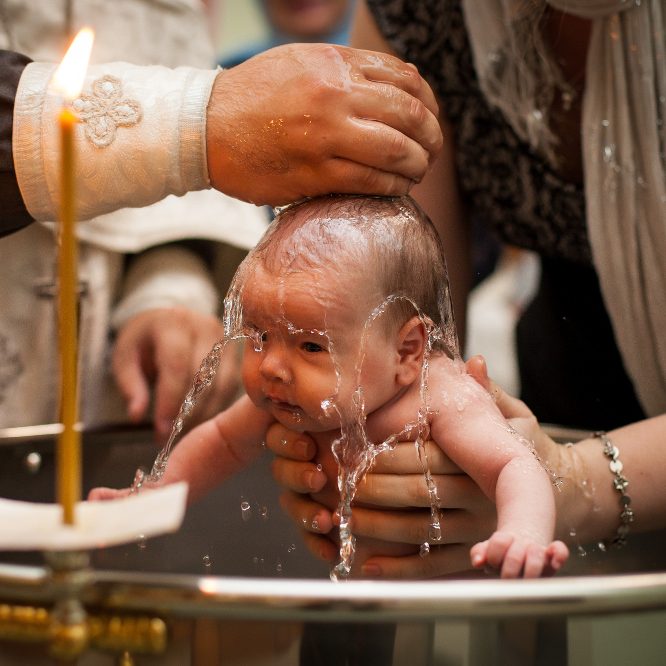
x=274 y=366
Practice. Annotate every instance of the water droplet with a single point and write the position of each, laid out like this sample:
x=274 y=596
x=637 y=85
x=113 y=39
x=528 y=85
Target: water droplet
x=141 y=543
x=318 y=467
x=263 y=512
x=32 y=462
x=206 y=561
x=315 y=525
x=435 y=532
x=424 y=550
x=291 y=548
x=278 y=567
x=327 y=406
x=139 y=479
x=246 y=511
x=581 y=552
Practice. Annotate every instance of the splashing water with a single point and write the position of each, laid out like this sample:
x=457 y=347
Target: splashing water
x=355 y=454
x=203 y=379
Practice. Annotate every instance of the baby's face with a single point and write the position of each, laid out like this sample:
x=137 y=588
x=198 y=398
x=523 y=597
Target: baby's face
x=304 y=336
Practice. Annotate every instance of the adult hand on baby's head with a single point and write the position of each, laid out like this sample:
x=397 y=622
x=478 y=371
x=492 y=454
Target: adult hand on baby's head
x=165 y=347
x=307 y=119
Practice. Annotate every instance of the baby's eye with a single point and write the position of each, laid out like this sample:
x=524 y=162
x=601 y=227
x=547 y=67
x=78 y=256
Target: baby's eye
x=312 y=347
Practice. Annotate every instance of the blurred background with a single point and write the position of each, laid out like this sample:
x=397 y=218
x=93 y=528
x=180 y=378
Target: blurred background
x=236 y=23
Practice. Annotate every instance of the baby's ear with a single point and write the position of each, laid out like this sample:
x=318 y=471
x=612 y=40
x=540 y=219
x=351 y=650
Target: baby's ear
x=411 y=347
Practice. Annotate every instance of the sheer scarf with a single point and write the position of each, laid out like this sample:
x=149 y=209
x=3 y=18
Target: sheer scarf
x=624 y=149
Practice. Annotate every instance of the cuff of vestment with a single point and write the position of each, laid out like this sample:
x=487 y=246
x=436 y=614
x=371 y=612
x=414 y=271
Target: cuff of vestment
x=141 y=137
x=165 y=278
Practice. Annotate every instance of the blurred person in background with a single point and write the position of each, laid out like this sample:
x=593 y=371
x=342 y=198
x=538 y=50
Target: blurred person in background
x=290 y=21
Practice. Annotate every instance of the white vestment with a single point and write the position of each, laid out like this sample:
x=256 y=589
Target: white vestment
x=144 y=32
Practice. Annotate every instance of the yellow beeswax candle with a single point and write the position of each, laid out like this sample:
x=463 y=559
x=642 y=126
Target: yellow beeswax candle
x=69 y=440
x=67 y=82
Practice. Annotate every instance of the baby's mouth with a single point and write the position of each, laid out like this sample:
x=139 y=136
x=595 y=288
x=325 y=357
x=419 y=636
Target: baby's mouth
x=283 y=405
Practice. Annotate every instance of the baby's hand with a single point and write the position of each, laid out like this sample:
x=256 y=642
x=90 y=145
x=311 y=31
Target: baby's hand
x=97 y=494
x=516 y=556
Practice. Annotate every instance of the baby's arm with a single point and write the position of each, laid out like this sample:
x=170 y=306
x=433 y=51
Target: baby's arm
x=218 y=448
x=471 y=430
x=522 y=544
x=213 y=451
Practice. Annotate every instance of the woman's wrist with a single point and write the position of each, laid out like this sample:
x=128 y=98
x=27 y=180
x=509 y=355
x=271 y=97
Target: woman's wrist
x=574 y=493
x=587 y=500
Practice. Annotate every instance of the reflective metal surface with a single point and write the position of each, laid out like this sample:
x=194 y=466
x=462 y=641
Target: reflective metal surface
x=223 y=576
x=354 y=600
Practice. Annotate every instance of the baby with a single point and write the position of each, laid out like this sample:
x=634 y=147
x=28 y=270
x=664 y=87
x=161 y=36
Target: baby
x=349 y=336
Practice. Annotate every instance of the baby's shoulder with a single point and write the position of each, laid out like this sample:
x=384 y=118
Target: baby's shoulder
x=450 y=385
x=445 y=370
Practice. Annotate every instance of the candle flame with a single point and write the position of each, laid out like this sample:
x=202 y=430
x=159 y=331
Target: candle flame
x=68 y=78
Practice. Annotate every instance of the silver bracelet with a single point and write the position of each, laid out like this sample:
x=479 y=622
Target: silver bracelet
x=620 y=484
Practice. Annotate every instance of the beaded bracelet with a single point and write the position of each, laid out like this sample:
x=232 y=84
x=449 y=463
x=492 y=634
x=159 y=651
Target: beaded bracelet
x=620 y=484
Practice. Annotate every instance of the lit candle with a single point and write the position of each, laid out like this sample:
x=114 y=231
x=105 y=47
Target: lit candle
x=67 y=82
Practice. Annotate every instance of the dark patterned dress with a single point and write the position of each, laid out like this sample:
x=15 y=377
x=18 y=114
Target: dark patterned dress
x=570 y=369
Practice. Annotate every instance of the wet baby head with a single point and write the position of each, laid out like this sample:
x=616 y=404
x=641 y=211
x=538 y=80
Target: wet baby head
x=375 y=248
x=325 y=296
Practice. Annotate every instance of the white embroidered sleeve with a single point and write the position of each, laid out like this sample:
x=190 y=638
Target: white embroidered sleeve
x=142 y=136
x=166 y=277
